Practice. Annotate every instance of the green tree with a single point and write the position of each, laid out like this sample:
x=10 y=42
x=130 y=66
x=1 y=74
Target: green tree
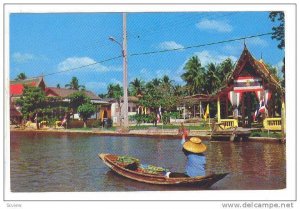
x=194 y=76
x=279 y=35
x=85 y=111
x=136 y=87
x=212 y=78
x=76 y=99
x=21 y=76
x=226 y=67
x=278 y=31
x=32 y=101
x=74 y=84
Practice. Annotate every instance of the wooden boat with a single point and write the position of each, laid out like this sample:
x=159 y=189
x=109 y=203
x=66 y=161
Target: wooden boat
x=158 y=178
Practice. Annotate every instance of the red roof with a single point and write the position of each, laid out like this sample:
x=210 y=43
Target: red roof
x=17 y=89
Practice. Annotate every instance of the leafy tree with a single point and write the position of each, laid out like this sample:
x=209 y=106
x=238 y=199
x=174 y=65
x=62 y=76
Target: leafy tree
x=166 y=81
x=279 y=35
x=194 y=76
x=278 y=31
x=102 y=95
x=85 y=111
x=164 y=95
x=58 y=86
x=21 y=76
x=74 y=84
x=32 y=101
x=212 y=78
x=136 y=87
x=76 y=99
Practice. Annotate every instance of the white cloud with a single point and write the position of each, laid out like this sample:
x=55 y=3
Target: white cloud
x=85 y=63
x=169 y=45
x=214 y=25
x=207 y=57
x=22 y=57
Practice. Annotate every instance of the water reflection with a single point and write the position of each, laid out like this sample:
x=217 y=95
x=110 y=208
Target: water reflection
x=69 y=162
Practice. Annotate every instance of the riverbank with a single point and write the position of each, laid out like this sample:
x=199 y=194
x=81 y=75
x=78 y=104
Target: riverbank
x=151 y=132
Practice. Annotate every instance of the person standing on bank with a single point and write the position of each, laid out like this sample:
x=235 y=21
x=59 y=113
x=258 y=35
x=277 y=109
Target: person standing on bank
x=196 y=160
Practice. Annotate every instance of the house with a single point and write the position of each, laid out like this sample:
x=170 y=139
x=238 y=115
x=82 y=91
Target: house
x=112 y=110
x=64 y=93
x=16 y=90
x=17 y=86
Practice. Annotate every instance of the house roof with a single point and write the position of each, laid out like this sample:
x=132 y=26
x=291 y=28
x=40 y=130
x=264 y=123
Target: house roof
x=258 y=66
x=17 y=86
x=63 y=92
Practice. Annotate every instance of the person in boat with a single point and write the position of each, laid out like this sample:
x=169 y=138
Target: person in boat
x=196 y=160
x=183 y=131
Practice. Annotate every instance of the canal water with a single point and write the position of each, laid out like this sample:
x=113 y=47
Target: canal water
x=63 y=162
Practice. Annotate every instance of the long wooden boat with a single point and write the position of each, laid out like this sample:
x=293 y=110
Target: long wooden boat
x=158 y=178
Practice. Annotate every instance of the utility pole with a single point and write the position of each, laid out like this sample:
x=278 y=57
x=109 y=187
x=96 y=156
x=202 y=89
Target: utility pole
x=125 y=97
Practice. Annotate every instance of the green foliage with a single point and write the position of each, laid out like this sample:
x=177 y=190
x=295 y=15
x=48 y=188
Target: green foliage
x=136 y=87
x=85 y=111
x=141 y=118
x=74 y=84
x=32 y=101
x=194 y=76
x=21 y=76
x=160 y=93
x=78 y=98
x=278 y=31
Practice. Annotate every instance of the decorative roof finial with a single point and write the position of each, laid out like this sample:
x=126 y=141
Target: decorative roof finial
x=261 y=56
x=245 y=43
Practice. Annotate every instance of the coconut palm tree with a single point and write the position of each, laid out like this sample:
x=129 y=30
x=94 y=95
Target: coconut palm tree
x=166 y=81
x=74 y=84
x=21 y=76
x=194 y=75
x=136 y=87
x=212 y=77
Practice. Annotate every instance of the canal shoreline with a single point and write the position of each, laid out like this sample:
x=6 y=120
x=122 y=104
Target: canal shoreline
x=160 y=133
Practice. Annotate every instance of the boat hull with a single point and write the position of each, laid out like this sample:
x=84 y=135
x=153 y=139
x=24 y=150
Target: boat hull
x=200 y=181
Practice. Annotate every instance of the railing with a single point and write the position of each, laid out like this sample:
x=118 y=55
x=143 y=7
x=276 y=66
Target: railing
x=228 y=123
x=272 y=124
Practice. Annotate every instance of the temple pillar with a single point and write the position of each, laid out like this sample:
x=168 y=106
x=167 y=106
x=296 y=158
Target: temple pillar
x=226 y=108
x=283 y=119
x=218 y=110
x=243 y=110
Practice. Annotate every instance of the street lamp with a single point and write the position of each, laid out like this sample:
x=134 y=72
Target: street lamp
x=124 y=54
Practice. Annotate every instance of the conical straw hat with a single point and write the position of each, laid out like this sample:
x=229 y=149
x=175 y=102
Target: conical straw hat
x=194 y=145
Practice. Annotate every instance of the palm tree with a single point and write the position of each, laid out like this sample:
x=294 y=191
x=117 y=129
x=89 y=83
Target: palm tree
x=213 y=80
x=74 y=84
x=166 y=81
x=21 y=76
x=194 y=75
x=226 y=67
x=136 y=87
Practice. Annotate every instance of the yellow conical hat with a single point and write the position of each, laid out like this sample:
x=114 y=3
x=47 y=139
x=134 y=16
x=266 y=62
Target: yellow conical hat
x=194 y=145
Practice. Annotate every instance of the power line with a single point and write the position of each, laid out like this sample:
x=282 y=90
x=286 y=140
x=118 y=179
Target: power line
x=159 y=51
x=200 y=45
x=83 y=66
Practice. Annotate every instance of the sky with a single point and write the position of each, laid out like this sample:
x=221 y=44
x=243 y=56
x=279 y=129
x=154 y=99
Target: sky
x=55 y=44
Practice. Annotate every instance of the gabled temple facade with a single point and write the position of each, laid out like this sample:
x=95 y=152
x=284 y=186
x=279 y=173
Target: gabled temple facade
x=250 y=78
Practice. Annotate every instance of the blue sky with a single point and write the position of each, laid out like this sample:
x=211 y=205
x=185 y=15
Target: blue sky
x=47 y=43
